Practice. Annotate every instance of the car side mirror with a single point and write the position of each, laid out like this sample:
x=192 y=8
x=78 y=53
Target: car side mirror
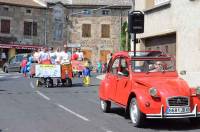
x=183 y=72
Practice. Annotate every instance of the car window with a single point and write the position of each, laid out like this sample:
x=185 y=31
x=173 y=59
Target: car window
x=19 y=58
x=115 y=65
x=124 y=67
x=12 y=60
x=153 y=65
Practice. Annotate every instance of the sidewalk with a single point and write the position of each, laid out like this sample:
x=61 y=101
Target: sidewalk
x=101 y=77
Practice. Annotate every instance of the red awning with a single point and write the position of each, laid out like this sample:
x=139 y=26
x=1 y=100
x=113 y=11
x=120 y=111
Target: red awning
x=21 y=46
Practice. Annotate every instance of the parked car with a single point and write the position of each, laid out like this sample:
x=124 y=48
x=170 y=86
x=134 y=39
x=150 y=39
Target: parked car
x=13 y=64
x=148 y=86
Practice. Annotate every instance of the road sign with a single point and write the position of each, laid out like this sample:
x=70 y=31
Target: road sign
x=136 y=22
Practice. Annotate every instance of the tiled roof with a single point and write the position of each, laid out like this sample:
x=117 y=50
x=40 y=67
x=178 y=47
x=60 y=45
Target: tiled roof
x=32 y=3
x=102 y=2
x=93 y=2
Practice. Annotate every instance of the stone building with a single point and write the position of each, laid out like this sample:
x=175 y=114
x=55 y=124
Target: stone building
x=97 y=31
x=29 y=24
x=32 y=24
x=173 y=26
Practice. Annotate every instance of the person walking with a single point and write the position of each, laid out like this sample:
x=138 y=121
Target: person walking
x=52 y=55
x=44 y=57
x=99 y=67
x=23 y=66
x=86 y=75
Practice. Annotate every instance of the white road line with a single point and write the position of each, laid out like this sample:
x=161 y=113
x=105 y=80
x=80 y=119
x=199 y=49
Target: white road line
x=44 y=96
x=15 y=77
x=72 y=112
x=32 y=86
x=106 y=130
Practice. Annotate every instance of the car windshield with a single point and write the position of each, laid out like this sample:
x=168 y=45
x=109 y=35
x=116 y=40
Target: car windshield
x=152 y=65
x=19 y=58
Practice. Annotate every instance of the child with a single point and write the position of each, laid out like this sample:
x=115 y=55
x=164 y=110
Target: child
x=23 y=66
x=86 y=75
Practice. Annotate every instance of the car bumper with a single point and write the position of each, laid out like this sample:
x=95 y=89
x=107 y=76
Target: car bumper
x=162 y=114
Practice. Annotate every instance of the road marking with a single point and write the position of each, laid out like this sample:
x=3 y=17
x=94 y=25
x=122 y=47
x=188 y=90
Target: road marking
x=32 y=86
x=72 y=112
x=15 y=77
x=93 y=101
x=44 y=96
x=106 y=130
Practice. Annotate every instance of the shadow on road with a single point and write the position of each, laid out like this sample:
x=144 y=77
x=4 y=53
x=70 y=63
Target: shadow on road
x=161 y=124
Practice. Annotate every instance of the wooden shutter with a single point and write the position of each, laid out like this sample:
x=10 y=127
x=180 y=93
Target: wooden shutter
x=5 y=26
x=86 y=30
x=105 y=30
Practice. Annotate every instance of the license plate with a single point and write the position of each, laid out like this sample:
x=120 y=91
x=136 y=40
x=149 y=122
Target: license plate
x=178 y=110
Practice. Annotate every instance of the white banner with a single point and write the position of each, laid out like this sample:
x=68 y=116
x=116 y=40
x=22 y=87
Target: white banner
x=47 y=70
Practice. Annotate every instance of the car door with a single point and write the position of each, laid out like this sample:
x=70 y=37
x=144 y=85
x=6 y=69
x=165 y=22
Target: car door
x=123 y=82
x=112 y=78
x=12 y=64
x=18 y=61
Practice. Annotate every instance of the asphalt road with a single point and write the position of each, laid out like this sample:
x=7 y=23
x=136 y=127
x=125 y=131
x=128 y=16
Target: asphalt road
x=25 y=108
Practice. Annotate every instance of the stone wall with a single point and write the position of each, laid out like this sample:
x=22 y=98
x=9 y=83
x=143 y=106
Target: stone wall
x=95 y=43
x=17 y=16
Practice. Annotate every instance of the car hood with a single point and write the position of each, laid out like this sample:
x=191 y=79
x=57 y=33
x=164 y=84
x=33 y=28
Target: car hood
x=166 y=86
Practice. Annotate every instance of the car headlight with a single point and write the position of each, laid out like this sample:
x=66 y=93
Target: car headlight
x=153 y=92
x=198 y=90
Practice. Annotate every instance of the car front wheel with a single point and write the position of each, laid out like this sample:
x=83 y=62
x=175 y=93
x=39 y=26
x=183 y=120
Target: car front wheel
x=136 y=116
x=105 y=105
x=5 y=69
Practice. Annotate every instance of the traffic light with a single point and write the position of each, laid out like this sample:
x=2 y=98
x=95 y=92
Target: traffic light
x=136 y=22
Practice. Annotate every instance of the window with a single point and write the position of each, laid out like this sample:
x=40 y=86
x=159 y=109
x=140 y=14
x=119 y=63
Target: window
x=124 y=67
x=157 y=48
x=166 y=49
x=115 y=65
x=30 y=28
x=86 y=30
x=87 y=12
x=155 y=3
x=149 y=4
x=105 y=12
x=5 y=26
x=28 y=11
x=12 y=60
x=105 y=30
x=6 y=9
x=160 y=2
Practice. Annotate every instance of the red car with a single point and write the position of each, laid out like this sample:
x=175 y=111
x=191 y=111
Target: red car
x=147 y=85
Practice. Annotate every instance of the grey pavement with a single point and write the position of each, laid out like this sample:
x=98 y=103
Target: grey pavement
x=25 y=108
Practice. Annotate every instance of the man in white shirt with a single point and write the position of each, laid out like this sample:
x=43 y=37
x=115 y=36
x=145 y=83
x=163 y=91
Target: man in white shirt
x=80 y=54
x=3 y=56
x=65 y=58
x=52 y=55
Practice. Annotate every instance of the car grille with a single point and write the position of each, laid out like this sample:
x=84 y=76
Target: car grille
x=178 y=101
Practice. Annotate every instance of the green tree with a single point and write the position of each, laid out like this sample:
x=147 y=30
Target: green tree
x=124 y=38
